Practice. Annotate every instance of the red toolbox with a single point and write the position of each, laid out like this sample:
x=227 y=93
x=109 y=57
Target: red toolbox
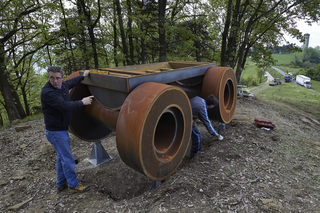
x=264 y=123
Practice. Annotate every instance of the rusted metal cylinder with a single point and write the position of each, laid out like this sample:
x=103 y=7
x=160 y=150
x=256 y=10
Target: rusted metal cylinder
x=102 y=115
x=93 y=122
x=154 y=129
x=221 y=82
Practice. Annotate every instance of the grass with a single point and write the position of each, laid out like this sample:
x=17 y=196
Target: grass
x=295 y=96
x=294 y=71
x=250 y=70
x=285 y=59
x=290 y=92
x=32 y=117
x=274 y=73
x=315 y=85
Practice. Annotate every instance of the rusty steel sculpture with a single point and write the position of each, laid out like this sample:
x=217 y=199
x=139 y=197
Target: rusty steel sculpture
x=148 y=107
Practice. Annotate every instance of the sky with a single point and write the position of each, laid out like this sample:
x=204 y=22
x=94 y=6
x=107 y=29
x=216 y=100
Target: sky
x=313 y=30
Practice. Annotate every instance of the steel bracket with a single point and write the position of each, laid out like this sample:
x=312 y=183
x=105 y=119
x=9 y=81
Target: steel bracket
x=98 y=154
x=155 y=184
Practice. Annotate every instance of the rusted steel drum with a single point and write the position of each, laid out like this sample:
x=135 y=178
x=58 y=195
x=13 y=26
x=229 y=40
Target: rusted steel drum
x=92 y=122
x=154 y=129
x=221 y=82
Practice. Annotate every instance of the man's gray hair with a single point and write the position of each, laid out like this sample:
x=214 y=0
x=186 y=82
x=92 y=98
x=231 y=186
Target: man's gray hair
x=55 y=69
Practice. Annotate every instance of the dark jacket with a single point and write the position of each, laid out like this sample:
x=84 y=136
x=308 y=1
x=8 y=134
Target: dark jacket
x=56 y=105
x=199 y=111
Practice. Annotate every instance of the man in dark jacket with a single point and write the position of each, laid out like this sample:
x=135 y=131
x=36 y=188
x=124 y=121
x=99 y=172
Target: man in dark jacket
x=57 y=109
x=199 y=111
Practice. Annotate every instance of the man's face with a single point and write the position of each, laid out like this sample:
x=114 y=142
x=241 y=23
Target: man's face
x=210 y=106
x=55 y=79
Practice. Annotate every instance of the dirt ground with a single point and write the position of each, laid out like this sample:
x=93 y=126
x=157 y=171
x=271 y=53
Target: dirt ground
x=251 y=170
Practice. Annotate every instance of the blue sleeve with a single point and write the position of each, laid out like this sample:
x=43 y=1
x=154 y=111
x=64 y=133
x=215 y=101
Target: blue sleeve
x=74 y=81
x=203 y=116
x=59 y=103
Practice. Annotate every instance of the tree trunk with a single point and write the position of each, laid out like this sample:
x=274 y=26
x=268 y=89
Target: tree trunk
x=1 y=120
x=115 y=41
x=50 y=61
x=91 y=25
x=94 y=47
x=83 y=43
x=162 y=32
x=130 y=33
x=123 y=37
x=73 y=65
x=17 y=102
x=223 y=56
x=143 y=51
x=10 y=106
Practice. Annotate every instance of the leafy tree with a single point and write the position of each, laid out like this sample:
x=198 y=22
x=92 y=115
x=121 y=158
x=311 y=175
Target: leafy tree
x=22 y=33
x=311 y=55
x=314 y=73
x=248 y=23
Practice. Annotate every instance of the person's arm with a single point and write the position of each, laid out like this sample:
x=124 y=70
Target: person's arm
x=58 y=102
x=205 y=119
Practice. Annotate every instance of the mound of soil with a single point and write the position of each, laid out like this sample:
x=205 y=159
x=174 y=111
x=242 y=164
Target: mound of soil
x=251 y=170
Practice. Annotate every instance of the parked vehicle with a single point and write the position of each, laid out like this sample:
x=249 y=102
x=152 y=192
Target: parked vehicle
x=275 y=82
x=288 y=77
x=303 y=81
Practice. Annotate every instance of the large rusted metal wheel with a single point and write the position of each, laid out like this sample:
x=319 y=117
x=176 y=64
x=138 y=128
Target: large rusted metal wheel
x=222 y=83
x=93 y=122
x=154 y=129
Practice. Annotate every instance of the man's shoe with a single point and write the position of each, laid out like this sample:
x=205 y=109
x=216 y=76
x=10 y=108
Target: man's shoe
x=63 y=187
x=79 y=188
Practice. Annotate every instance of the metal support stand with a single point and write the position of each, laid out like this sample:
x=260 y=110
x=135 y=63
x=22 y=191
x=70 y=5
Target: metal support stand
x=222 y=126
x=98 y=154
x=156 y=184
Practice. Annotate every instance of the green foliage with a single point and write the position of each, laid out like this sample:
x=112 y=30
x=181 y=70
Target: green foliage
x=314 y=73
x=301 y=72
x=260 y=73
x=32 y=117
x=309 y=59
x=311 y=55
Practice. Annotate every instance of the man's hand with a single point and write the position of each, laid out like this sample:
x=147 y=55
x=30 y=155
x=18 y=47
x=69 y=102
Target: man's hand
x=87 y=100
x=220 y=137
x=86 y=73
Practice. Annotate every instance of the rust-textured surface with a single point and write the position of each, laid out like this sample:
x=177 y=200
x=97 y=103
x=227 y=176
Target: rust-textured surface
x=151 y=111
x=221 y=82
x=154 y=129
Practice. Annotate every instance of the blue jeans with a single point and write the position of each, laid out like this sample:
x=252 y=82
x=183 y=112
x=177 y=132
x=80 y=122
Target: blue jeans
x=65 y=161
x=196 y=139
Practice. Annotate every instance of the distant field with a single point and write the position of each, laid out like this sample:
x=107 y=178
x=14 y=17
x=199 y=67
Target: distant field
x=285 y=59
x=290 y=92
x=294 y=71
x=296 y=96
x=274 y=73
x=249 y=70
x=315 y=85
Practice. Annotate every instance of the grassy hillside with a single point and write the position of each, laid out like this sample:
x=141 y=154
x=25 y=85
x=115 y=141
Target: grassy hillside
x=249 y=70
x=290 y=92
x=285 y=59
x=283 y=64
x=315 y=85
x=296 y=96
